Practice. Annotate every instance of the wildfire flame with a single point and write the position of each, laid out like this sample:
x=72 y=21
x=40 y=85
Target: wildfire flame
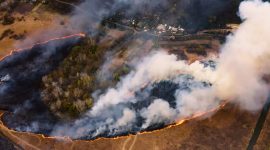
x=179 y=122
x=12 y=133
x=44 y=42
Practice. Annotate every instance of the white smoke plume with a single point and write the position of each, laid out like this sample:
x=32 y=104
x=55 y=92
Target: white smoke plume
x=87 y=16
x=111 y=110
x=154 y=68
x=237 y=77
x=158 y=112
x=244 y=59
x=90 y=13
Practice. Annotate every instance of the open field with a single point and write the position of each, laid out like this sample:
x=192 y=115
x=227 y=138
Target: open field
x=33 y=23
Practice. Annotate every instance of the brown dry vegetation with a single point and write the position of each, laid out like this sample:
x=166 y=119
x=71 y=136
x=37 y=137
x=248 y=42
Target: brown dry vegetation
x=28 y=24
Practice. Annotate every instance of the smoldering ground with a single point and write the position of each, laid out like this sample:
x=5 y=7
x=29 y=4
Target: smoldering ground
x=242 y=63
x=136 y=103
x=21 y=74
x=162 y=89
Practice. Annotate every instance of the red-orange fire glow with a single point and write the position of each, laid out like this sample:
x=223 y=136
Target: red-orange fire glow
x=178 y=122
x=44 y=42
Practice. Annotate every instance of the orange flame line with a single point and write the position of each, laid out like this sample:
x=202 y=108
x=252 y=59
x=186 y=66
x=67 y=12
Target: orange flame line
x=44 y=42
x=182 y=121
x=179 y=122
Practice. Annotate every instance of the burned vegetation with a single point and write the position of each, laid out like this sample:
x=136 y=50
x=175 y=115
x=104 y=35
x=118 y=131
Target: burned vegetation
x=21 y=75
x=67 y=89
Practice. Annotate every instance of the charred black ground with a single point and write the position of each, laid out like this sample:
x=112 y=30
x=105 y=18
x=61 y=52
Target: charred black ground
x=20 y=94
x=21 y=88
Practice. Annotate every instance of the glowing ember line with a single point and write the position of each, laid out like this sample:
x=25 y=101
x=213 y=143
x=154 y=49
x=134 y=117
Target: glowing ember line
x=179 y=122
x=44 y=42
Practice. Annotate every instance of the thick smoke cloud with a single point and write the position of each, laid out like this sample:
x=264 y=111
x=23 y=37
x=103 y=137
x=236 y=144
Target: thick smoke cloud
x=236 y=77
x=122 y=109
x=87 y=17
x=158 y=112
x=245 y=58
x=90 y=13
x=132 y=105
x=192 y=14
